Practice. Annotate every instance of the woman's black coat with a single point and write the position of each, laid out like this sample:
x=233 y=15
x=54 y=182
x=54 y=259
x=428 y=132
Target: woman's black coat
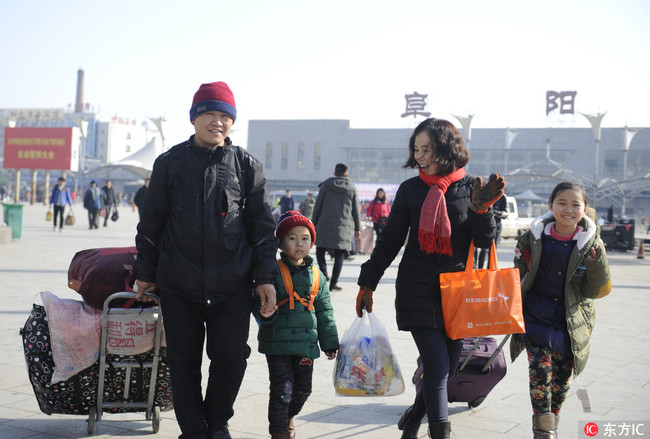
x=417 y=300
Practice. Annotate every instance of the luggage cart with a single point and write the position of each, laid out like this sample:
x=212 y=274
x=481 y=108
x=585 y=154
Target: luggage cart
x=152 y=412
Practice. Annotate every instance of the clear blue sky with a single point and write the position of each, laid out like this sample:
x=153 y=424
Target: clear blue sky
x=352 y=59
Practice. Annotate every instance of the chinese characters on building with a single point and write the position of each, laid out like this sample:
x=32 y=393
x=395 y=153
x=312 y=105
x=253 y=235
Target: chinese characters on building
x=416 y=105
x=564 y=100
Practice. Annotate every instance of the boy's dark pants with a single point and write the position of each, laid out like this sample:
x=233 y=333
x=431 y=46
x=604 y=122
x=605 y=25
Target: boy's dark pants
x=290 y=377
x=226 y=325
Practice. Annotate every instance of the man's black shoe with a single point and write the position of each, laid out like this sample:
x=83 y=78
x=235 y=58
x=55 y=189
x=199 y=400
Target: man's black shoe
x=335 y=288
x=221 y=433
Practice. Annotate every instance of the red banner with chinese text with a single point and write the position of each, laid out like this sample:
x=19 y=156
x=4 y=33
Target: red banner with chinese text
x=41 y=148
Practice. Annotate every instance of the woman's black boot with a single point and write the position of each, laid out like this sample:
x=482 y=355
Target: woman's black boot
x=440 y=430
x=411 y=419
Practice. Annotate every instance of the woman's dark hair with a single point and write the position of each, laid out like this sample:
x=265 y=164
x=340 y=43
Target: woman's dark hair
x=447 y=143
x=571 y=186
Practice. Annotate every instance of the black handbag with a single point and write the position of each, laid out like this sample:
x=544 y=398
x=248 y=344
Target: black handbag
x=115 y=216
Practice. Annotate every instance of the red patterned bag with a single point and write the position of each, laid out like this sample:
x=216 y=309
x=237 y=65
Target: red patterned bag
x=97 y=273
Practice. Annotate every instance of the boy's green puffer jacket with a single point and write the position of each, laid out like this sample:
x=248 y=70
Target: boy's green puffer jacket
x=298 y=331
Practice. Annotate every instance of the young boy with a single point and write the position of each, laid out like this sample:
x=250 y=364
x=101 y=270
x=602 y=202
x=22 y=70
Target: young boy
x=289 y=335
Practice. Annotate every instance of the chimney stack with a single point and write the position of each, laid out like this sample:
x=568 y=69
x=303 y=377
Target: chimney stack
x=79 y=103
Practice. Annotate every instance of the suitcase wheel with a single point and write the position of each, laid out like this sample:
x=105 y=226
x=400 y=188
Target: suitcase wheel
x=476 y=402
x=92 y=417
x=155 y=419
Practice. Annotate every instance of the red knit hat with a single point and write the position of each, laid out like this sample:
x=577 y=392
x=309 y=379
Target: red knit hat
x=214 y=96
x=291 y=219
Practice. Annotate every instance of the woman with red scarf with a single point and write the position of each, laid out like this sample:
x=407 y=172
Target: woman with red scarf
x=444 y=209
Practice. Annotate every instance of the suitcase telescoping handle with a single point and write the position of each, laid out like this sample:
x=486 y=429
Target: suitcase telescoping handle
x=475 y=346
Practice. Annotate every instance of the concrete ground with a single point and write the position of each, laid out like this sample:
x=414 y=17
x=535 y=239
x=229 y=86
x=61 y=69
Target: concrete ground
x=617 y=377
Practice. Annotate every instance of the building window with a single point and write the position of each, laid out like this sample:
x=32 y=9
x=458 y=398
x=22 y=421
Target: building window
x=317 y=155
x=268 y=161
x=128 y=148
x=284 y=161
x=300 y=164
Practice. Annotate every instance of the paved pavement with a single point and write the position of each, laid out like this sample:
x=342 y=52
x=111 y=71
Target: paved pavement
x=617 y=377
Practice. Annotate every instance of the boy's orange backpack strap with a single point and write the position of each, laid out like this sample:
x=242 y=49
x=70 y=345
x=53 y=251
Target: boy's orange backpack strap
x=315 y=285
x=293 y=296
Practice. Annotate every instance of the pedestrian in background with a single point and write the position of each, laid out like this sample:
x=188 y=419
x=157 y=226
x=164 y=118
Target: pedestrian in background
x=440 y=211
x=286 y=202
x=307 y=205
x=138 y=200
x=563 y=268
x=500 y=209
x=206 y=242
x=336 y=216
x=290 y=336
x=59 y=199
x=378 y=211
x=93 y=203
x=109 y=200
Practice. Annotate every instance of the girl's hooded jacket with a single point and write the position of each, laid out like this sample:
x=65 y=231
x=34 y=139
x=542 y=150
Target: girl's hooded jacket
x=585 y=281
x=417 y=286
x=298 y=331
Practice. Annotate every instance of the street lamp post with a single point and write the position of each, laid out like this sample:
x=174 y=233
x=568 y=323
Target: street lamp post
x=510 y=137
x=466 y=123
x=82 y=124
x=595 y=121
x=628 y=135
x=158 y=121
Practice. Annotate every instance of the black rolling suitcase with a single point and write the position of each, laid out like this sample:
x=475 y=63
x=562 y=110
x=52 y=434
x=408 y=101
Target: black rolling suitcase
x=482 y=365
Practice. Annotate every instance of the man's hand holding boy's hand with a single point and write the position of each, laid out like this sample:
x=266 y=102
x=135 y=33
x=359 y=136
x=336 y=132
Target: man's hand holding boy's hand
x=266 y=314
x=268 y=300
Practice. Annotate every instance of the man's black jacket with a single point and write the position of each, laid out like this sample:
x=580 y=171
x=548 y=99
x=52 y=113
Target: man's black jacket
x=206 y=227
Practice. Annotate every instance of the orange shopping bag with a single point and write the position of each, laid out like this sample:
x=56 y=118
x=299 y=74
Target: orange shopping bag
x=481 y=302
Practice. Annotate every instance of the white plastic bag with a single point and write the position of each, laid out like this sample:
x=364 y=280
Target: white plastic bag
x=365 y=364
x=75 y=332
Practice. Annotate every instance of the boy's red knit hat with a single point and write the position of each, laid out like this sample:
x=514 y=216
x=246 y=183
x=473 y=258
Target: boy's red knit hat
x=214 y=96
x=291 y=219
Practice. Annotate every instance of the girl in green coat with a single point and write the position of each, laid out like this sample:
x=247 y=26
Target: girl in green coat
x=289 y=335
x=563 y=268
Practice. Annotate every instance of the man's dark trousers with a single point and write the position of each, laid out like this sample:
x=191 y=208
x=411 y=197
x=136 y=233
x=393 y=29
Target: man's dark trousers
x=226 y=325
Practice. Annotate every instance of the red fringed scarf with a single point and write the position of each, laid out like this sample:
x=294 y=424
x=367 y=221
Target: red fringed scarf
x=434 y=232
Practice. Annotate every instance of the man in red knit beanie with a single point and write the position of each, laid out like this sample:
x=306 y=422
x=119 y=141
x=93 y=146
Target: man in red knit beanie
x=206 y=242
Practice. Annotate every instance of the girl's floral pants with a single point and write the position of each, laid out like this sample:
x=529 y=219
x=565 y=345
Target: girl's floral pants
x=550 y=378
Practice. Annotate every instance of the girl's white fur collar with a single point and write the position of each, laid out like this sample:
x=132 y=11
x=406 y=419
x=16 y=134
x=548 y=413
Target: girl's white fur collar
x=543 y=223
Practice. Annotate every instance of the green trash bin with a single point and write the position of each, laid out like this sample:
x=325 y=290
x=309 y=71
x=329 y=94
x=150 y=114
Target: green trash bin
x=14 y=219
